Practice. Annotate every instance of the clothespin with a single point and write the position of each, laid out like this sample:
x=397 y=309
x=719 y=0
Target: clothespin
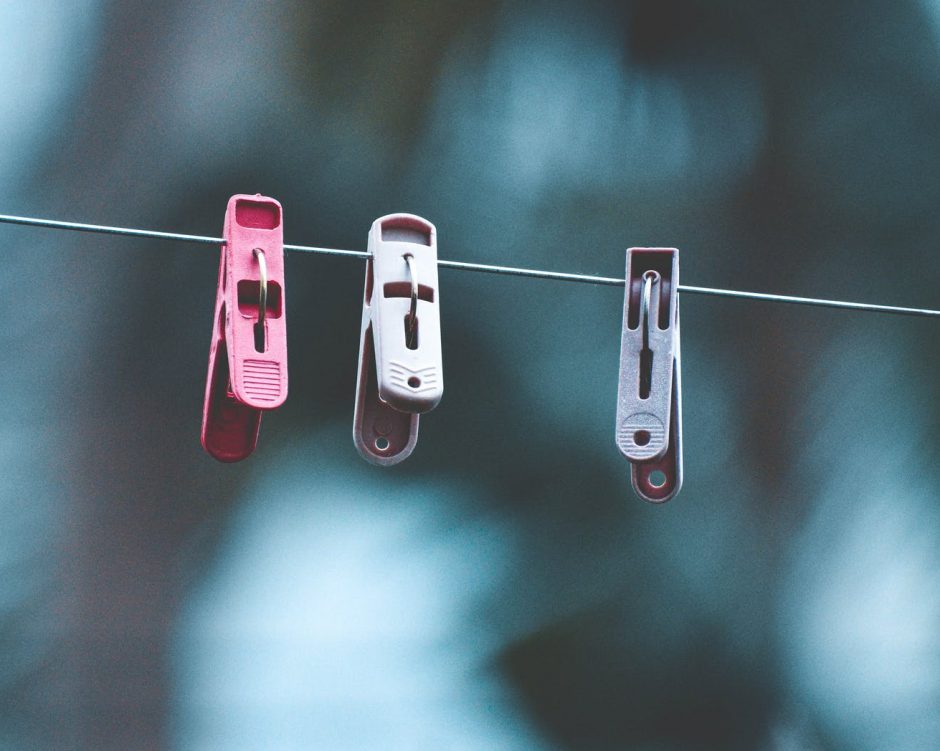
x=248 y=352
x=649 y=400
x=400 y=368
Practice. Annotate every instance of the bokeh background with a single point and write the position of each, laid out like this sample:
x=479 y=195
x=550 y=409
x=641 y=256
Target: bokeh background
x=503 y=588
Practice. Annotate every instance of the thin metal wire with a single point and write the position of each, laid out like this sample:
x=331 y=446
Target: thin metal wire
x=101 y=229
x=483 y=268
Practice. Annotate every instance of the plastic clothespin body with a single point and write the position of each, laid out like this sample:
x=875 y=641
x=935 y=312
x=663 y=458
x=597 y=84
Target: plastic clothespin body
x=649 y=400
x=400 y=365
x=248 y=351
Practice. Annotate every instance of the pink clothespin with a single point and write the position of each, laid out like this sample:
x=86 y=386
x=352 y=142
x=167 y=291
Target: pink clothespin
x=248 y=352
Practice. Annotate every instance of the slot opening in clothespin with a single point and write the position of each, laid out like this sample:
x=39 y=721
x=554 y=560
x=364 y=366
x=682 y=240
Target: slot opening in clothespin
x=248 y=351
x=400 y=367
x=649 y=401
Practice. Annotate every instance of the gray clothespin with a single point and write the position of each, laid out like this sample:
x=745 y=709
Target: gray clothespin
x=400 y=367
x=649 y=399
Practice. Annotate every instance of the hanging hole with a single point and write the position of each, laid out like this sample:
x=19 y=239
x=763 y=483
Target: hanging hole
x=411 y=336
x=249 y=299
x=403 y=289
x=657 y=478
x=414 y=382
x=257 y=214
x=259 y=337
x=381 y=443
x=641 y=437
x=646 y=373
x=406 y=229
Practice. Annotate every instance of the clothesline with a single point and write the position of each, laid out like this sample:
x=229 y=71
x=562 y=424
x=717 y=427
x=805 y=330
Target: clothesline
x=479 y=267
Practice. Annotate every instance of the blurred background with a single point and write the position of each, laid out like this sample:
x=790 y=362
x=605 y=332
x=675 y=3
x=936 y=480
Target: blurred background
x=503 y=588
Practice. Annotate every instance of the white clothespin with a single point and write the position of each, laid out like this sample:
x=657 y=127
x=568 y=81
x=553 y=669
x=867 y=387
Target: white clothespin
x=400 y=366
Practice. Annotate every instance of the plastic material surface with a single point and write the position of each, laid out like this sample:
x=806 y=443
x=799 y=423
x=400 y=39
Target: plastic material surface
x=649 y=400
x=247 y=366
x=400 y=366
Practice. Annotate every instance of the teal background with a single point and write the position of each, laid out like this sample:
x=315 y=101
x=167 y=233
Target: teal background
x=503 y=588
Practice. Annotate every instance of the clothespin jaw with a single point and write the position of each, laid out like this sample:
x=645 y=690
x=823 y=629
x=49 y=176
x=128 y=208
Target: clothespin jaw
x=248 y=351
x=649 y=400
x=400 y=363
